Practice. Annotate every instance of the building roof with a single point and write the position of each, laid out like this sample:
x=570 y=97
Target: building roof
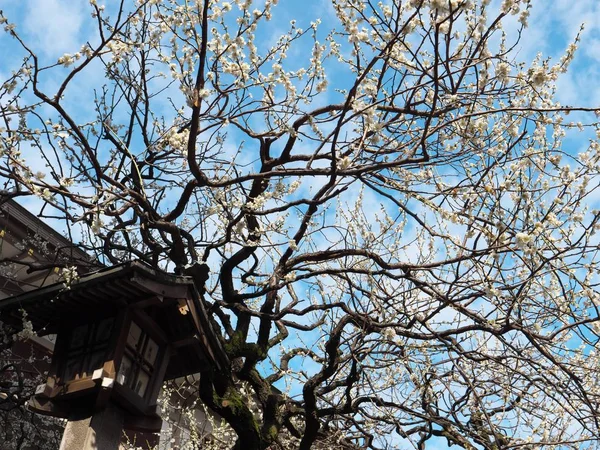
x=27 y=243
x=25 y=221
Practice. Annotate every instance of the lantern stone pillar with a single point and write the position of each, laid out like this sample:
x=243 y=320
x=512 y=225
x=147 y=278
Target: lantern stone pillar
x=100 y=431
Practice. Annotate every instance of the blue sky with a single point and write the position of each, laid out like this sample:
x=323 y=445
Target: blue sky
x=53 y=28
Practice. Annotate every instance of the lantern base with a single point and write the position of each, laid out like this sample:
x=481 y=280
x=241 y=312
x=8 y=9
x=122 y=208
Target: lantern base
x=150 y=422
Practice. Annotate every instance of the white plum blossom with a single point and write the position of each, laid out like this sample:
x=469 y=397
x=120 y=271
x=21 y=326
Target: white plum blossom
x=502 y=71
x=524 y=240
x=538 y=76
x=344 y=162
x=66 y=60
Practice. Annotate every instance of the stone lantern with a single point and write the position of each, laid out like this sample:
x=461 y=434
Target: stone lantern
x=120 y=333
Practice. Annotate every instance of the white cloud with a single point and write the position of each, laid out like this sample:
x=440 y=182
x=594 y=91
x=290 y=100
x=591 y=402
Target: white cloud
x=54 y=26
x=552 y=27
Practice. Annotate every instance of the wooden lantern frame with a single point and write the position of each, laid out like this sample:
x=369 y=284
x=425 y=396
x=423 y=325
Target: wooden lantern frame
x=167 y=309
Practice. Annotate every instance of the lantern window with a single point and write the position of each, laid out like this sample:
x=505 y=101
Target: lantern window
x=87 y=348
x=138 y=360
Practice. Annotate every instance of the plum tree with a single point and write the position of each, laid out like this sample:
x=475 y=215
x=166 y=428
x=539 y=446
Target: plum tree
x=398 y=237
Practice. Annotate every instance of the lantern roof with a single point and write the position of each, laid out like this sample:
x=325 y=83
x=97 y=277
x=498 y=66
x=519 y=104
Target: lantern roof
x=173 y=302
